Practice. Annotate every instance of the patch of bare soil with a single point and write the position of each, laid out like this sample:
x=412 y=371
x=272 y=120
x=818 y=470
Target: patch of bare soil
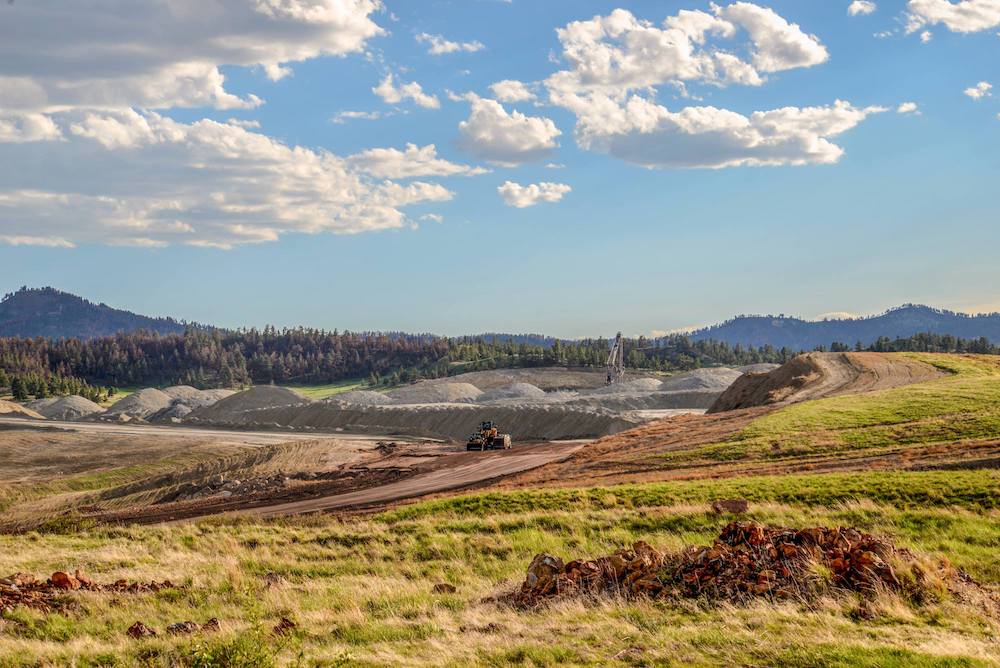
x=748 y=560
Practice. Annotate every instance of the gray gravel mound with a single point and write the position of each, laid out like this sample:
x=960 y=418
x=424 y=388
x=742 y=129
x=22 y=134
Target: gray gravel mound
x=630 y=386
x=716 y=379
x=142 y=404
x=436 y=393
x=65 y=408
x=519 y=391
x=361 y=398
x=254 y=399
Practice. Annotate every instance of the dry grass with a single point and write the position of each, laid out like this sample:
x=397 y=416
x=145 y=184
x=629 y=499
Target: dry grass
x=360 y=591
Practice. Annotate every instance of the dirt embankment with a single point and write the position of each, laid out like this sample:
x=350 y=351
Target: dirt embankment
x=10 y=409
x=819 y=375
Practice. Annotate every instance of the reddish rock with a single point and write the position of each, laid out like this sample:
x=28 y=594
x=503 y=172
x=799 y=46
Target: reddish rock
x=140 y=630
x=64 y=580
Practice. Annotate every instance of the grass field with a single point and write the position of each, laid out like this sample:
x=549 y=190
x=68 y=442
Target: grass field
x=360 y=590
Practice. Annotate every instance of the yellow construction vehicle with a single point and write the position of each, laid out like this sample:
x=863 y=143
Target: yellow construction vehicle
x=488 y=438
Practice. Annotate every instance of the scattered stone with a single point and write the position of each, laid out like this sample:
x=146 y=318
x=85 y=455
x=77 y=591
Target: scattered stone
x=24 y=589
x=734 y=506
x=140 y=630
x=182 y=628
x=211 y=626
x=444 y=588
x=284 y=626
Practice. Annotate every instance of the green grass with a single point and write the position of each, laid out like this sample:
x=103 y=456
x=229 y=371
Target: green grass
x=360 y=588
x=320 y=392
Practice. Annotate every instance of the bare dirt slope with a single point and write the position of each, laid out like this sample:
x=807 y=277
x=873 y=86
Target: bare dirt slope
x=818 y=375
x=10 y=409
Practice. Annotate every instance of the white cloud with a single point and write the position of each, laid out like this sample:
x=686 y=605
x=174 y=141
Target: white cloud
x=152 y=181
x=412 y=162
x=25 y=240
x=18 y=127
x=164 y=53
x=243 y=123
x=980 y=90
x=907 y=108
x=836 y=315
x=342 y=117
x=438 y=45
x=616 y=61
x=510 y=90
x=616 y=53
x=432 y=217
x=518 y=196
x=393 y=94
x=645 y=133
x=926 y=37
x=965 y=16
x=492 y=134
x=861 y=7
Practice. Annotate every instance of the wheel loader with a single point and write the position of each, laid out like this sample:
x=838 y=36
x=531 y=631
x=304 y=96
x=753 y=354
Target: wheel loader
x=488 y=438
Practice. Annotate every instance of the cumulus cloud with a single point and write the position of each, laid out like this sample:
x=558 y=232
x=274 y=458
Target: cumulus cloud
x=510 y=90
x=907 y=108
x=164 y=53
x=965 y=16
x=518 y=196
x=645 y=133
x=979 y=91
x=614 y=53
x=153 y=181
x=438 y=45
x=393 y=94
x=18 y=127
x=508 y=139
x=412 y=162
x=861 y=7
x=615 y=63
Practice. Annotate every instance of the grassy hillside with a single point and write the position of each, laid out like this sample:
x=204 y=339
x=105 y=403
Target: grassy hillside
x=360 y=590
x=963 y=406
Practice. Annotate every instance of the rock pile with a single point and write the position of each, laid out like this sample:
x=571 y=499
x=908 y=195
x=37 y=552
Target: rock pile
x=748 y=560
x=218 y=485
x=24 y=589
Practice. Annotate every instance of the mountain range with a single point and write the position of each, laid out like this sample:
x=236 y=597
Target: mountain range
x=51 y=313
x=798 y=334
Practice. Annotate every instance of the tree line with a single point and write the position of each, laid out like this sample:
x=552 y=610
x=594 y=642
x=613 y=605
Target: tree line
x=216 y=358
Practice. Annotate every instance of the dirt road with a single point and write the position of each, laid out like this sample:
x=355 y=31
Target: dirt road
x=450 y=473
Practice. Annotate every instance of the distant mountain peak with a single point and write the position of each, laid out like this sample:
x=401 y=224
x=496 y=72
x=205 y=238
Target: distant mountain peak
x=51 y=313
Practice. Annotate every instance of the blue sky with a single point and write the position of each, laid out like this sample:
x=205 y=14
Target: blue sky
x=207 y=176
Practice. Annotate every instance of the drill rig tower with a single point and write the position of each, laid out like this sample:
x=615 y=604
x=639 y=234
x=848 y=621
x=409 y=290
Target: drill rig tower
x=616 y=361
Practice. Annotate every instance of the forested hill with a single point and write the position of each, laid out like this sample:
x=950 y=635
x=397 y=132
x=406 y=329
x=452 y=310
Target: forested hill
x=905 y=321
x=50 y=313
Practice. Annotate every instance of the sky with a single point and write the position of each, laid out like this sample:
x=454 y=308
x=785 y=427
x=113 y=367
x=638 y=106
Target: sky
x=571 y=167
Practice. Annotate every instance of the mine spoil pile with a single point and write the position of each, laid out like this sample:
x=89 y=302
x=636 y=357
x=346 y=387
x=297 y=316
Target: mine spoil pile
x=747 y=561
x=24 y=589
